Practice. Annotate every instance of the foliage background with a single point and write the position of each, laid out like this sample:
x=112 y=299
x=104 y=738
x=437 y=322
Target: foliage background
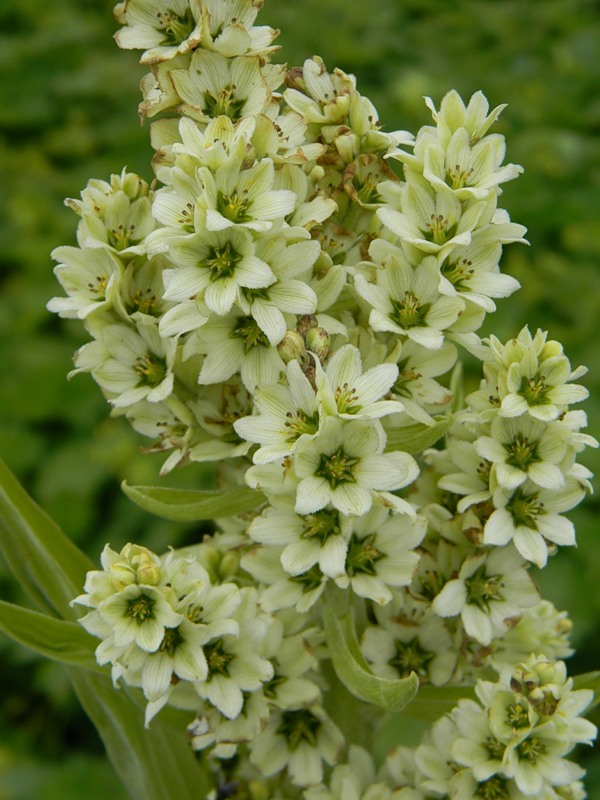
x=68 y=101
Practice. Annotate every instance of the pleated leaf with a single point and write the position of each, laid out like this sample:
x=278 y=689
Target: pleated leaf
x=187 y=505
x=415 y=438
x=57 y=639
x=155 y=763
x=49 y=567
x=352 y=670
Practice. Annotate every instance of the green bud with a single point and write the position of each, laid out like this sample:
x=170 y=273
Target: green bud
x=122 y=574
x=305 y=323
x=148 y=573
x=229 y=566
x=317 y=341
x=292 y=347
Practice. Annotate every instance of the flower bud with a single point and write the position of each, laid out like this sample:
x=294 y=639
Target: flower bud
x=228 y=566
x=148 y=573
x=121 y=574
x=305 y=323
x=317 y=341
x=544 y=702
x=292 y=347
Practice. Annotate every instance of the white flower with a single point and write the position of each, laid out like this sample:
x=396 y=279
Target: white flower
x=291 y=260
x=162 y=28
x=355 y=780
x=87 y=275
x=234 y=665
x=282 y=590
x=476 y=747
x=542 y=629
x=473 y=481
x=293 y=663
x=473 y=273
x=139 y=614
x=538 y=761
x=138 y=296
x=318 y=538
x=287 y=415
x=524 y=448
x=116 y=216
x=541 y=386
x=299 y=739
x=212 y=729
x=471 y=170
x=489 y=593
x=528 y=374
x=215 y=85
x=244 y=198
x=345 y=466
x=401 y=645
x=228 y=28
x=129 y=364
x=415 y=386
x=346 y=391
x=406 y=301
x=213 y=266
x=433 y=222
x=381 y=553
x=453 y=115
x=530 y=517
x=232 y=344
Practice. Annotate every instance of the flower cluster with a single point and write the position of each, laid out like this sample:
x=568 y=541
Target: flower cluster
x=514 y=450
x=281 y=301
x=510 y=743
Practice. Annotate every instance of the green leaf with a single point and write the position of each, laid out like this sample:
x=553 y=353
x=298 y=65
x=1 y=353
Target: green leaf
x=352 y=669
x=415 y=438
x=589 y=680
x=185 y=505
x=49 y=567
x=53 y=638
x=155 y=763
x=432 y=702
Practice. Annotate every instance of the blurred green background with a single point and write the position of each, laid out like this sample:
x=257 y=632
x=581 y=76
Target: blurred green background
x=68 y=100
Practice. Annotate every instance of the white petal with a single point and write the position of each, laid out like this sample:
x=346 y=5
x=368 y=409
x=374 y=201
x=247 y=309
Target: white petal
x=312 y=495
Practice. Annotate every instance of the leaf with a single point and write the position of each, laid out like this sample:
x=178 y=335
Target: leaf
x=155 y=763
x=589 y=680
x=415 y=438
x=432 y=702
x=185 y=505
x=53 y=638
x=49 y=567
x=352 y=669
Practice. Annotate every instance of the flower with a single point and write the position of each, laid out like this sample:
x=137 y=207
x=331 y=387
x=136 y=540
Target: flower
x=432 y=221
x=162 y=28
x=522 y=448
x=87 y=275
x=345 y=466
x=406 y=301
x=213 y=266
x=382 y=553
x=215 y=85
x=346 y=391
x=470 y=169
x=139 y=614
x=530 y=517
x=235 y=343
x=489 y=593
x=400 y=645
x=299 y=739
x=243 y=197
x=130 y=364
x=320 y=538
